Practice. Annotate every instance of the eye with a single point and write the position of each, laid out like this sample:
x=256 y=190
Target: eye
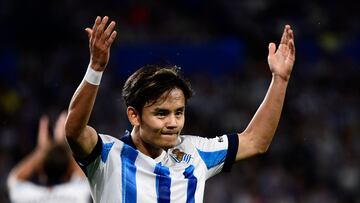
x=160 y=114
x=179 y=113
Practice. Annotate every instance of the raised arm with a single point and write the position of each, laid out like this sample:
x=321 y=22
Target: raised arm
x=31 y=165
x=59 y=139
x=81 y=137
x=258 y=135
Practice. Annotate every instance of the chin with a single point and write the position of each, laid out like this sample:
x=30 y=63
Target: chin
x=166 y=147
x=169 y=145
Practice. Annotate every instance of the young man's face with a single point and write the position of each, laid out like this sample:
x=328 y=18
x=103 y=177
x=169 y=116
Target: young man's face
x=162 y=122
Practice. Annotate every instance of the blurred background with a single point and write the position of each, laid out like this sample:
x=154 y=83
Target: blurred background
x=221 y=47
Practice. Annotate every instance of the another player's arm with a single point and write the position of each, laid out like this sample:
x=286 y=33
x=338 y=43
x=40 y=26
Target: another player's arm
x=81 y=137
x=30 y=165
x=257 y=136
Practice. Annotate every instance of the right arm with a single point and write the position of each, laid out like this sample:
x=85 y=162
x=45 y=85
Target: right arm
x=81 y=137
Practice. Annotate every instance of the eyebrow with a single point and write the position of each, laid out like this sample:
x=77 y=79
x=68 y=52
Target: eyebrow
x=157 y=109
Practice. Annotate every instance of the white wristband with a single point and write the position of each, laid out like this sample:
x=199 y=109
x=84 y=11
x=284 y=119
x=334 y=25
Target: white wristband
x=92 y=76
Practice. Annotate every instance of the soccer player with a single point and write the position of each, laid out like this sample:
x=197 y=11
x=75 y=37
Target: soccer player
x=49 y=174
x=154 y=162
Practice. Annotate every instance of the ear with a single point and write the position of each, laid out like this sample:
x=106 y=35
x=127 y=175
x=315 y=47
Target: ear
x=133 y=116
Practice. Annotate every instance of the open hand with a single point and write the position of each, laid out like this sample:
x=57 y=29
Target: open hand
x=100 y=41
x=281 y=61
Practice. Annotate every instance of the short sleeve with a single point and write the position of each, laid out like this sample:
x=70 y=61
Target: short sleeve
x=218 y=154
x=91 y=158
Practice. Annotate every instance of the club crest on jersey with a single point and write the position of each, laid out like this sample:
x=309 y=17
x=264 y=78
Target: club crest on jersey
x=220 y=139
x=180 y=156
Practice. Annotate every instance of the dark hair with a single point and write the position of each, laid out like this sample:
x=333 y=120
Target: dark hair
x=148 y=83
x=56 y=164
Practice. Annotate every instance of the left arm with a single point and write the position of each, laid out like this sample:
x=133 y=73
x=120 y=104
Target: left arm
x=257 y=136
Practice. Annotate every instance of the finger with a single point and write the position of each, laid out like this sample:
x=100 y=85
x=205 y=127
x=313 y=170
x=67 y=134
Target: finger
x=97 y=22
x=284 y=36
x=43 y=131
x=89 y=32
x=59 y=130
x=291 y=34
x=108 y=30
x=101 y=27
x=111 y=39
x=95 y=26
x=272 y=48
x=292 y=49
x=291 y=43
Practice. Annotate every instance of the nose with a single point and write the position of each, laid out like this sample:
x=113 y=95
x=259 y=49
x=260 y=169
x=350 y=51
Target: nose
x=172 y=122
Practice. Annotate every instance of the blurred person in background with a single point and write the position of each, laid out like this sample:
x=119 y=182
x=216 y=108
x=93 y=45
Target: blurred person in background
x=153 y=162
x=49 y=173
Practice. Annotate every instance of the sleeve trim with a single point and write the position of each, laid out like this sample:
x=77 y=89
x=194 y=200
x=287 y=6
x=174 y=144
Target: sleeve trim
x=96 y=152
x=233 y=144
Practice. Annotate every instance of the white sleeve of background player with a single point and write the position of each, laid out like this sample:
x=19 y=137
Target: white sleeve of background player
x=218 y=154
x=25 y=188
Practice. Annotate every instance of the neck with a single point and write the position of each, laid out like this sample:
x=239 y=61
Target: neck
x=144 y=147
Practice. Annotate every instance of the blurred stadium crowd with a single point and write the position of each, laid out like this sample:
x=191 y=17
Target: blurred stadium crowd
x=315 y=154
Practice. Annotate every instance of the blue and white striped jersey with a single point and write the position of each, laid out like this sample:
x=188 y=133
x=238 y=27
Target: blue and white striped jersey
x=118 y=172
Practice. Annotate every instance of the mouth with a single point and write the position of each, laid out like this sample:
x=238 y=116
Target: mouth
x=169 y=133
x=169 y=139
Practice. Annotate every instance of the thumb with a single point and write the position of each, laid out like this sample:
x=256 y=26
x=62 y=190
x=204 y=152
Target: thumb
x=59 y=131
x=272 y=48
x=43 y=131
x=89 y=32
